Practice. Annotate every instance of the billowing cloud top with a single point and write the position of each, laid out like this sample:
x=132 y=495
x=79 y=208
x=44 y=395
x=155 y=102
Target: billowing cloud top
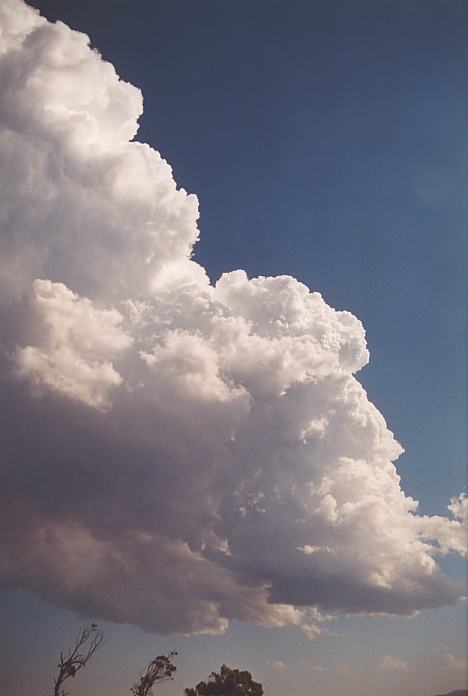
x=175 y=454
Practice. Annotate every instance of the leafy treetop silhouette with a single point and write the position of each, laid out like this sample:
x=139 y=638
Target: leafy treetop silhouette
x=228 y=682
x=159 y=670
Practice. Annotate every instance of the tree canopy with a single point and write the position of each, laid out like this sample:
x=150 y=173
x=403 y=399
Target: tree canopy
x=227 y=682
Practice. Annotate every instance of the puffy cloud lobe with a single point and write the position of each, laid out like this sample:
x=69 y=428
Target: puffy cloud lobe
x=451 y=535
x=80 y=340
x=177 y=454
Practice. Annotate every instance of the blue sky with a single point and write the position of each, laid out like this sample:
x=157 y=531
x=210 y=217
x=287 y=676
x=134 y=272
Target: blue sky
x=324 y=141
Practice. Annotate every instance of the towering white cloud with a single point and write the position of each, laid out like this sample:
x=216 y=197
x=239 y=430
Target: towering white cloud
x=176 y=454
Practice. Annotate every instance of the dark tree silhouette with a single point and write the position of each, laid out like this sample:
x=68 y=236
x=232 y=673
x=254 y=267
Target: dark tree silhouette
x=159 y=670
x=88 y=640
x=228 y=682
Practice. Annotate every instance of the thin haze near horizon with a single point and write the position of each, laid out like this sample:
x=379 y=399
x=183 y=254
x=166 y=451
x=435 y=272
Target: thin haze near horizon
x=199 y=457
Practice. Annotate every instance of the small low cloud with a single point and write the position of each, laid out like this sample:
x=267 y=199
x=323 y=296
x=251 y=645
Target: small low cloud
x=455 y=663
x=389 y=664
x=346 y=668
x=312 y=631
x=278 y=664
x=450 y=661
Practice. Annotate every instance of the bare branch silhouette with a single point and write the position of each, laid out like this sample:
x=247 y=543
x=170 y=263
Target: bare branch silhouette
x=159 y=670
x=88 y=640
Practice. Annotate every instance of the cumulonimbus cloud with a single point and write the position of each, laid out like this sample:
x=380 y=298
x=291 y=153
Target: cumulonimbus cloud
x=175 y=454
